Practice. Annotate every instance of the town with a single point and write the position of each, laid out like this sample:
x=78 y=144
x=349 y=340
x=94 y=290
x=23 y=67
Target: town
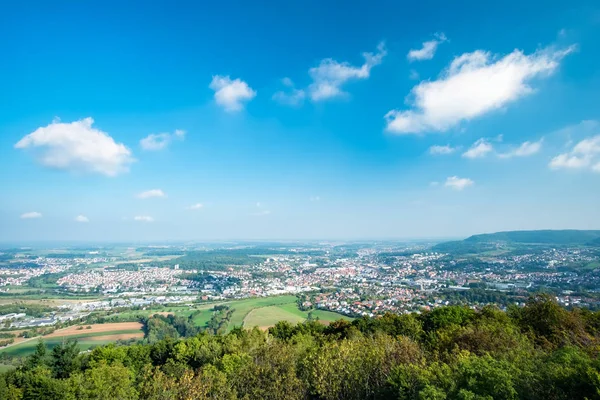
x=366 y=279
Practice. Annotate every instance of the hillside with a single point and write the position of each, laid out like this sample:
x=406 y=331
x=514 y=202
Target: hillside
x=540 y=351
x=551 y=237
x=494 y=241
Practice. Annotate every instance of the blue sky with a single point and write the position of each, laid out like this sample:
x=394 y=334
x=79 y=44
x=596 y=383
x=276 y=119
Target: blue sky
x=297 y=120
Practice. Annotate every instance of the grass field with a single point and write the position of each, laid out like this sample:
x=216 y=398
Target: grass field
x=99 y=334
x=204 y=316
x=27 y=348
x=265 y=317
x=243 y=307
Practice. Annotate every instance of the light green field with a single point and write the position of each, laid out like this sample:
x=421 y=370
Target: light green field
x=269 y=316
x=325 y=316
x=243 y=307
x=203 y=318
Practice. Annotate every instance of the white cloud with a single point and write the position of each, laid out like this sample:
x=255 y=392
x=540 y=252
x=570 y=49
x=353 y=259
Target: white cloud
x=31 y=215
x=442 y=149
x=329 y=76
x=179 y=133
x=77 y=146
x=567 y=161
x=524 y=150
x=196 y=206
x=479 y=149
x=473 y=85
x=413 y=75
x=143 y=218
x=156 y=141
x=428 y=50
x=583 y=155
x=294 y=97
x=231 y=94
x=457 y=183
x=82 y=219
x=159 y=141
x=315 y=198
x=589 y=146
x=434 y=183
x=151 y=193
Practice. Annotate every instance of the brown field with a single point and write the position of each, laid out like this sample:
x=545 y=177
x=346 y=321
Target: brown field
x=97 y=328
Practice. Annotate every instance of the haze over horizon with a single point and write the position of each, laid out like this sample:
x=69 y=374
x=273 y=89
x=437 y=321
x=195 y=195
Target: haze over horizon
x=155 y=122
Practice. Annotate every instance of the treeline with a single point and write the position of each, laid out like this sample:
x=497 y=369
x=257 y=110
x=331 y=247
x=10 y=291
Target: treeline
x=203 y=278
x=45 y=280
x=480 y=296
x=159 y=327
x=32 y=310
x=220 y=320
x=540 y=351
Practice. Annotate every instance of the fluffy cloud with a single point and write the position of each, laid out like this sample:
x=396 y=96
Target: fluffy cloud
x=479 y=149
x=196 y=206
x=585 y=154
x=329 y=76
x=293 y=97
x=82 y=219
x=524 y=150
x=155 y=141
x=456 y=183
x=473 y=85
x=77 y=146
x=31 y=215
x=159 y=141
x=143 y=218
x=151 y=193
x=428 y=50
x=231 y=94
x=435 y=150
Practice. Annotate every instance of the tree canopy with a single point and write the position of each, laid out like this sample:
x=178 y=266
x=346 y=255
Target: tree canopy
x=540 y=351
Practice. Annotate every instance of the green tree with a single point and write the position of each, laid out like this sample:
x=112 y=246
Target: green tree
x=105 y=382
x=62 y=361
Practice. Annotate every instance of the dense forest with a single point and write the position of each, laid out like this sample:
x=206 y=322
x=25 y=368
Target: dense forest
x=540 y=351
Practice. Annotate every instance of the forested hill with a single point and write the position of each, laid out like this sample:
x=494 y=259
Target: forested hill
x=488 y=241
x=558 y=237
x=540 y=351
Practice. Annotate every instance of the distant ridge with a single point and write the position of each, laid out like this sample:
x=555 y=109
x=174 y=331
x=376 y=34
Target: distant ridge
x=567 y=236
x=486 y=241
